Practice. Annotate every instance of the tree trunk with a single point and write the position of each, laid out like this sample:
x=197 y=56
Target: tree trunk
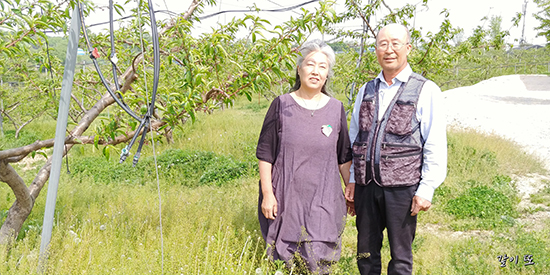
x=20 y=209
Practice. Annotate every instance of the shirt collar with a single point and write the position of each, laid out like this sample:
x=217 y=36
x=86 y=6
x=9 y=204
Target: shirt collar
x=403 y=76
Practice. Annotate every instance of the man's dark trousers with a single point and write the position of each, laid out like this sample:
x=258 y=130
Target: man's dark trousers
x=384 y=207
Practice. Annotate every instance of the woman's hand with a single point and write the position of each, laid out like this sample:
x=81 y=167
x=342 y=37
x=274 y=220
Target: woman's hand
x=269 y=202
x=349 y=193
x=269 y=206
x=350 y=187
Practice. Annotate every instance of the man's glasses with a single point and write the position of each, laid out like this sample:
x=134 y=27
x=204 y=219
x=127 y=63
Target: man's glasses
x=396 y=46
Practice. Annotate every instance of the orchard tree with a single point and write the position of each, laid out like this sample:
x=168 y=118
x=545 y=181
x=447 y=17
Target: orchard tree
x=544 y=17
x=198 y=74
x=433 y=52
x=496 y=34
x=22 y=33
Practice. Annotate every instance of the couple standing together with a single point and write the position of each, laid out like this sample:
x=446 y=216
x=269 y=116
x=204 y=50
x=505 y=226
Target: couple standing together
x=391 y=160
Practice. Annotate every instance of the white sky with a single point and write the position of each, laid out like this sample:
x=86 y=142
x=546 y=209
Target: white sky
x=466 y=14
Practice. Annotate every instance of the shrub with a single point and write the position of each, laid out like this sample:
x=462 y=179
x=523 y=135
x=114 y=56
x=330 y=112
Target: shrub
x=223 y=171
x=481 y=202
x=188 y=168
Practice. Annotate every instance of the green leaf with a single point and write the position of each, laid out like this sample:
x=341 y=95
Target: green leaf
x=198 y=80
x=237 y=64
x=119 y=9
x=159 y=106
x=96 y=141
x=133 y=125
x=42 y=154
x=277 y=71
x=289 y=65
x=107 y=152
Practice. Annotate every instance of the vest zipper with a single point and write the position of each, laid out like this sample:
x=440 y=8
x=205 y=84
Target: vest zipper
x=373 y=150
x=385 y=145
x=401 y=156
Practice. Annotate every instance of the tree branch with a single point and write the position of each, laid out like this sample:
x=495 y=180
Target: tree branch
x=78 y=103
x=19 y=39
x=15 y=125
x=387 y=7
x=364 y=18
x=16 y=154
x=185 y=16
x=426 y=53
x=27 y=122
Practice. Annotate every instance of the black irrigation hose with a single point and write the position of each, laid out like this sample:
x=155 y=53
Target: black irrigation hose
x=138 y=152
x=156 y=54
x=156 y=74
x=126 y=150
x=145 y=122
x=96 y=65
x=113 y=54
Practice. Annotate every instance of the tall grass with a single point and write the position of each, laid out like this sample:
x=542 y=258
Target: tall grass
x=107 y=218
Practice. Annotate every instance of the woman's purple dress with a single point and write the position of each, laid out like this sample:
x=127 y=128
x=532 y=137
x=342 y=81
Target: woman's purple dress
x=306 y=180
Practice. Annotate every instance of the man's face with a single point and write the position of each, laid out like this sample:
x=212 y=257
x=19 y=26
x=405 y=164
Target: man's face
x=392 y=49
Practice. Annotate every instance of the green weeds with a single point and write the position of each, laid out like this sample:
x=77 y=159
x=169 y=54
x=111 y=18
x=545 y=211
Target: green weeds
x=187 y=168
x=483 y=203
x=9 y=141
x=107 y=214
x=543 y=197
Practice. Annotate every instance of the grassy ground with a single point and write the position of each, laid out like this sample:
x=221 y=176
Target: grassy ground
x=107 y=215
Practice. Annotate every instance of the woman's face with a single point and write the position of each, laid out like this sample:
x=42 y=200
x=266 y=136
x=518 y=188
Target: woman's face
x=314 y=71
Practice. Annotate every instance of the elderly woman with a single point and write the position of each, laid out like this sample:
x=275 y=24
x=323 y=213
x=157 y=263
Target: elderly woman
x=302 y=150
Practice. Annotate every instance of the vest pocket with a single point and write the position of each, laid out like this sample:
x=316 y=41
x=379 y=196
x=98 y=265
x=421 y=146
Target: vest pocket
x=399 y=122
x=367 y=114
x=359 y=153
x=400 y=165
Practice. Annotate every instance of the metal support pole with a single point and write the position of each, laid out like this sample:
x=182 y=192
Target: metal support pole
x=57 y=157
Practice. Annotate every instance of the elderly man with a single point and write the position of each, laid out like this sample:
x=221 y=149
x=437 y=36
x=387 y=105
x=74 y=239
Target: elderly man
x=399 y=141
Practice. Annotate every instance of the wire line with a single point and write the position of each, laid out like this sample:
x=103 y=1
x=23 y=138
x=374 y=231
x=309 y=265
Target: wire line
x=260 y=10
x=150 y=112
x=171 y=13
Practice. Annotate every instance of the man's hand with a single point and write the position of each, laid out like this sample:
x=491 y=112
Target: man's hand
x=349 y=193
x=419 y=204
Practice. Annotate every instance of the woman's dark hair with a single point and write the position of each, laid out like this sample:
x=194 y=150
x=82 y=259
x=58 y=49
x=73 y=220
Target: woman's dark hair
x=308 y=48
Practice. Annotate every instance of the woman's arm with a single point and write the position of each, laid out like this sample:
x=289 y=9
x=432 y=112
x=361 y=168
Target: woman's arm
x=269 y=202
x=344 y=171
x=350 y=187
